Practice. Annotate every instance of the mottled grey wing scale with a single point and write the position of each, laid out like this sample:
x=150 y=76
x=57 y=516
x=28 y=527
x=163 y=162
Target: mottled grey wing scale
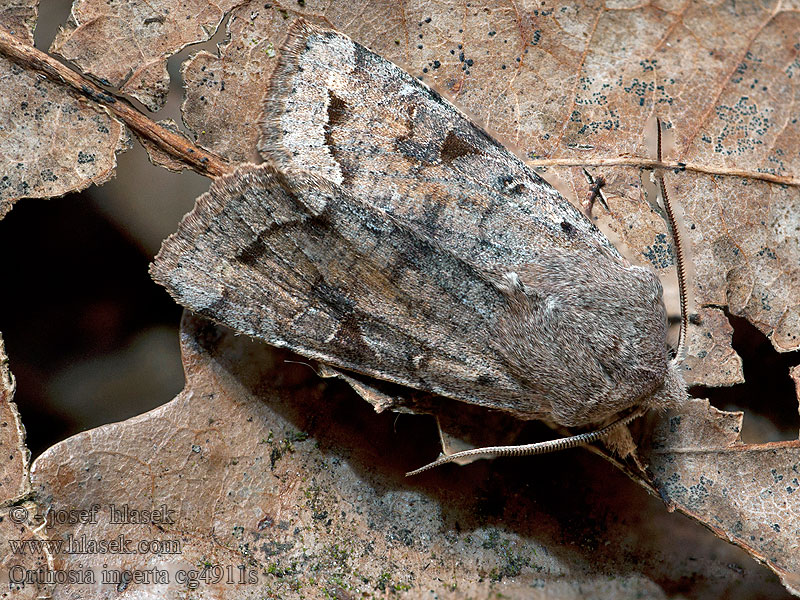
x=422 y=252
x=301 y=265
x=356 y=119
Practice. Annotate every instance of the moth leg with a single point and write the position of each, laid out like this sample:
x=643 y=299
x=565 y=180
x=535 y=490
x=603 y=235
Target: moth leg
x=595 y=193
x=452 y=444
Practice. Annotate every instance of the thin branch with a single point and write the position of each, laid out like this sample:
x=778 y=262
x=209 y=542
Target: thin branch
x=645 y=163
x=175 y=145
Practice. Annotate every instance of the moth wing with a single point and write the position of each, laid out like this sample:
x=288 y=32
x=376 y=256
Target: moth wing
x=298 y=263
x=362 y=122
x=358 y=120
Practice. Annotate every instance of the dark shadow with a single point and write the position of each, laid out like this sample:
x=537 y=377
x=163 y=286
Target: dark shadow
x=76 y=289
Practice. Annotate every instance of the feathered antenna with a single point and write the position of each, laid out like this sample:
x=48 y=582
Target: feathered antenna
x=538 y=448
x=680 y=263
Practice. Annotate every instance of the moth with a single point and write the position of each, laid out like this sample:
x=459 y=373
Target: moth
x=390 y=236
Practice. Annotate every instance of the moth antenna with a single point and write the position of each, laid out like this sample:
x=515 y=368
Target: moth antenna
x=538 y=448
x=680 y=261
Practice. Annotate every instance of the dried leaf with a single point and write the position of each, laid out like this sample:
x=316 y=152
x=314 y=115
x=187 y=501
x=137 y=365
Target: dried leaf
x=52 y=142
x=14 y=481
x=15 y=521
x=742 y=492
x=300 y=486
x=126 y=44
x=19 y=18
x=222 y=93
x=727 y=105
x=794 y=373
x=18 y=529
x=712 y=361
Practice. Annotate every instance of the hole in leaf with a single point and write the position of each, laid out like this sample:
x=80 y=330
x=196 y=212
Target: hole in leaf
x=768 y=396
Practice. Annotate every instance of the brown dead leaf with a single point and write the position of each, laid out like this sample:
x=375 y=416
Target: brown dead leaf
x=219 y=106
x=727 y=96
x=298 y=487
x=14 y=456
x=52 y=141
x=712 y=361
x=15 y=522
x=22 y=553
x=794 y=373
x=743 y=492
x=331 y=514
x=126 y=44
x=746 y=250
x=19 y=18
